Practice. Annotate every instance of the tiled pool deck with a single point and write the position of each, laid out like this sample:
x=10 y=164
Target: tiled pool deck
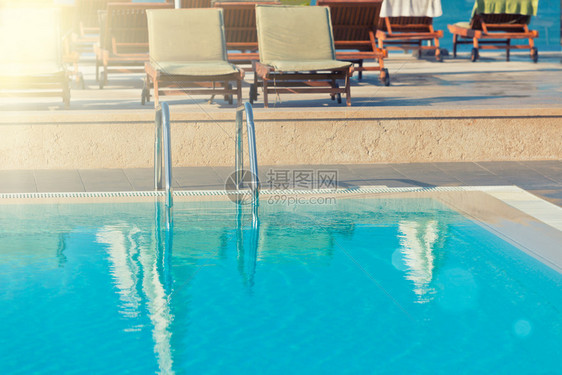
x=542 y=178
x=456 y=83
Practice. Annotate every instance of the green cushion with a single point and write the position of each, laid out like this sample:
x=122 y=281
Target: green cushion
x=186 y=35
x=198 y=68
x=523 y=7
x=308 y=65
x=294 y=33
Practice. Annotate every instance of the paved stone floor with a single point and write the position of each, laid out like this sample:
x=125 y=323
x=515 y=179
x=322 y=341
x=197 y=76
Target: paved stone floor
x=456 y=83
x=542 y=178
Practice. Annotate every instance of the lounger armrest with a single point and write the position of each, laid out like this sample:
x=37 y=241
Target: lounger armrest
x=260 y=69
x=151 y=70
x=464 y=32
x=381 y=34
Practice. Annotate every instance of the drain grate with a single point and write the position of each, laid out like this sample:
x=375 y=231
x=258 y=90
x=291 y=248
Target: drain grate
x=194 y=193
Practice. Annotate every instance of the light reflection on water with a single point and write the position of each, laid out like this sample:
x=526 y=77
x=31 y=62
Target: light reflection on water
x=418 y=240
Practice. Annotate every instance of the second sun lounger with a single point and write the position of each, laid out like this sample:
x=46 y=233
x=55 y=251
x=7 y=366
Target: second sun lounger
x=297 y=53
x=188 y=55
x=87 y=23
x=407 y=24
x=494 y=24
x=355 y=25
x=240 y=29
x=123 y=46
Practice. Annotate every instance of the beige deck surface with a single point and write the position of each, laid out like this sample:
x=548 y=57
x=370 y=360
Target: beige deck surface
x=455 y=83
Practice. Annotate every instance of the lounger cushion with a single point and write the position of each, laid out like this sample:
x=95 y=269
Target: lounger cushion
x=287 y=33
x=308 y=65
x=523 y=7
x=198 y=68
x=409 y=8
x=186 y=35
x=464 y=25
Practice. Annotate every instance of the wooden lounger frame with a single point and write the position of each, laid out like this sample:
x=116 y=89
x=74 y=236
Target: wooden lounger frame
x=495 y=31
x=56 y=85
x=408 y=33
x=351 y=33
x=170 y=84
x=123 y=44
x=274 y=82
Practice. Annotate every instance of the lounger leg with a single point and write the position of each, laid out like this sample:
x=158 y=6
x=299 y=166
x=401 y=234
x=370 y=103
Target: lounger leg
x=103 y=75
x=256 y=82
x=239 y=92
x=455 y=38
x=66 y=92
x=475 y=43
x=381 y=60
x=265 y=101
x=381 y=47
x=156 y=100
x=347 y=89
x=533 y=51
x=437 y=50
x=145 y=95
x=360 y=70
x=507 y=49
x=474 y=54
x=382 y=75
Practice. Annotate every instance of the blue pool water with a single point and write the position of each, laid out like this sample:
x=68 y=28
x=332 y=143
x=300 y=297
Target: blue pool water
x=362 y=286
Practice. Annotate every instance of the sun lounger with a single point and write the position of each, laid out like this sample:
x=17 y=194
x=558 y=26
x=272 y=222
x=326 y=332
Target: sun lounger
x=123 y=46
x=31 y=60
x=406 y=24
x=88 y=24
x=297 y=53
x=355 y=25
x=240 y=29
x=188 y=55
x=494 y=24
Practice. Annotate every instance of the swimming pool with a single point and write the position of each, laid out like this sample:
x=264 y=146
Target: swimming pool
x=361 y=284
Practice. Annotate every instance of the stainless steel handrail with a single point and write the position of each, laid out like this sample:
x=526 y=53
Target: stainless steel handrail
x=162 y=145
x=252 y=153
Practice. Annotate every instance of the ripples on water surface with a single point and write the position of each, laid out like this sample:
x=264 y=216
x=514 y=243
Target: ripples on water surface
x=362 y=286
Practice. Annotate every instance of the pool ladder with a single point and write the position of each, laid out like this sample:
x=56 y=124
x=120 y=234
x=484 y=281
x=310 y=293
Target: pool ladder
x=163 y=152
x=162 y=143
x=239 y=163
